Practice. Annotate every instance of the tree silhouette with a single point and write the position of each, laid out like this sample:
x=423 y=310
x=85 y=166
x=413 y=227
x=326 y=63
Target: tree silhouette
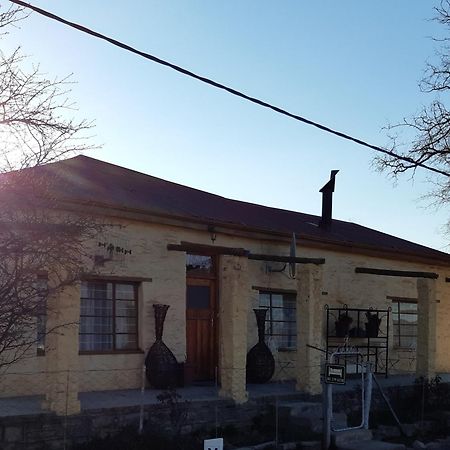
x=43 y=250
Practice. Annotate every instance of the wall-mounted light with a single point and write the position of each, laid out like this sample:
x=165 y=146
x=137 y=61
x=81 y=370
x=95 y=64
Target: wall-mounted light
x=212 y=233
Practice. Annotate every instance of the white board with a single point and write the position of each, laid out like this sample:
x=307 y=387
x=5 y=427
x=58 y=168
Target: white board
x=213 y=444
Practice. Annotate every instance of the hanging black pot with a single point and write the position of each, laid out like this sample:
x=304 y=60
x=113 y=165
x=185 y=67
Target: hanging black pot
x=160 y=364
x=260 y=362
x=372 y=325
x=342 y=325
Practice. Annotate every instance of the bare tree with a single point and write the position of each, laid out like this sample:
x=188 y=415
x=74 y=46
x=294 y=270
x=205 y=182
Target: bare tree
x=35 y=123
x=42 y=249
x=425 y=138
x=10 y=16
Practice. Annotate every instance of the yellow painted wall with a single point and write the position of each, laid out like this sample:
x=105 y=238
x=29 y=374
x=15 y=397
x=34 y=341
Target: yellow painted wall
x=150 y=259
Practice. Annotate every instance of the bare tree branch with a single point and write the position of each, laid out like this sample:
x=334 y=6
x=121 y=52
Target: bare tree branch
x=34 y=125
x=10 y=15
x=43 y=251
x=427 y=133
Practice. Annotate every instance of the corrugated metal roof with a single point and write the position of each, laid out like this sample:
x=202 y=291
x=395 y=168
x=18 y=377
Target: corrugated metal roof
x=85 y=179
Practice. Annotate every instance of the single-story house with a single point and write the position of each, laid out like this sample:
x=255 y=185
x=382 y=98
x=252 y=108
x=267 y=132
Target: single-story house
x=213 y=260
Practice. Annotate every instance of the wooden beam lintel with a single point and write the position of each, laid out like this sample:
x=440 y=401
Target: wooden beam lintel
x=118 y=278
x=396 y=273
x=203 y=249
x=286 y=259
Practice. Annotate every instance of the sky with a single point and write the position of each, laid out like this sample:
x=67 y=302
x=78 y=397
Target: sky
x=351 y=65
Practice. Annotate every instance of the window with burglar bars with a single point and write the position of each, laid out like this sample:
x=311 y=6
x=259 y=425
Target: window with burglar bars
x=404 y=315
x=41 y=316
x=108 y=316
x=281 y=324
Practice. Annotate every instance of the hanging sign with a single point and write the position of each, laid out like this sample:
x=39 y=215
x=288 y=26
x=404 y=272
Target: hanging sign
x=335 y=374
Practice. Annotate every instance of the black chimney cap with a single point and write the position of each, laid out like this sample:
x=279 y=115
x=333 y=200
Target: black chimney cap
x=329 y=186
x=327 y=201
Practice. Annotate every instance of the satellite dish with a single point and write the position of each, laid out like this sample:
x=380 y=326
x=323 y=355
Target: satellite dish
x=292 y=254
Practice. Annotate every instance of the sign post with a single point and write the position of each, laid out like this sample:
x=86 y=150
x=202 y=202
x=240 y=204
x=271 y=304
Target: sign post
x=335 y=374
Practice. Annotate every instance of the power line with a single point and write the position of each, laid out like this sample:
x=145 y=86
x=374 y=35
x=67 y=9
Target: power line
x=226 y=88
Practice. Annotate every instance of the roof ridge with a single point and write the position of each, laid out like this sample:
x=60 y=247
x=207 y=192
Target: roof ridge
x=96 y=160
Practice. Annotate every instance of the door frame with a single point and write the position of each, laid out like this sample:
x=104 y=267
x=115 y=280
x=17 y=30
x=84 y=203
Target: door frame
x=212 y=278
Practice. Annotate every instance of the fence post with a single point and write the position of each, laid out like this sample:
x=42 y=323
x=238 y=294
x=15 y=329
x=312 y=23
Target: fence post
x=141 y=410
x=368 y=394
x=327 y=409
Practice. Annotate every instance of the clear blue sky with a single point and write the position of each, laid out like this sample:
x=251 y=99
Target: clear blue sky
x=349 y=64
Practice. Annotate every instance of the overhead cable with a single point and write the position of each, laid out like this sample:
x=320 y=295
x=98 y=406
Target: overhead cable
x=227 y=88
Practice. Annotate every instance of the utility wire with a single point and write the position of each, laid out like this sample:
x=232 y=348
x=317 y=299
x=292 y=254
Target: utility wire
x=226 y=88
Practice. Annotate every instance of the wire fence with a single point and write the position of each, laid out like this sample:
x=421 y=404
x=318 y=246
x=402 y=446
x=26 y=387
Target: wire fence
x=119 y=398
x=178 y=411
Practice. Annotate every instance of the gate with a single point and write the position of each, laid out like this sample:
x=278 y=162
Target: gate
x=366 y=390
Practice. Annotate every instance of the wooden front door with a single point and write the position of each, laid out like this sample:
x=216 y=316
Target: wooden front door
x=201 y=333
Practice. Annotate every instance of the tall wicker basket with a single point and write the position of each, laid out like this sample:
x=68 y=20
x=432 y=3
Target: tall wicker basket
x=260 y=362
x=161 y=365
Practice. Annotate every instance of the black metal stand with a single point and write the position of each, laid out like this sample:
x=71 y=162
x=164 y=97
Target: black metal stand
x=349 y=326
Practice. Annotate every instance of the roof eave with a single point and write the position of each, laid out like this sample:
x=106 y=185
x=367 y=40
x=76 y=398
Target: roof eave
x=255 y=232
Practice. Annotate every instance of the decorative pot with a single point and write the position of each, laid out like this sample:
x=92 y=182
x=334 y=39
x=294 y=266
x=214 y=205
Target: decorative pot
x=161 y=365
x=342 y=325
x=372 y=325
x=260 y=362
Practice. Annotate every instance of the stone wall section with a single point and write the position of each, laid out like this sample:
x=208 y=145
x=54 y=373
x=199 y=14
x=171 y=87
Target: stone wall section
x=35 y=432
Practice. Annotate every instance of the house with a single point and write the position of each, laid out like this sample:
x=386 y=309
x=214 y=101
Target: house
x=213 y=260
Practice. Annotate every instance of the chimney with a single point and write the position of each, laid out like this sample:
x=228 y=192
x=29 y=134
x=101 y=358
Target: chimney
x=327 y=201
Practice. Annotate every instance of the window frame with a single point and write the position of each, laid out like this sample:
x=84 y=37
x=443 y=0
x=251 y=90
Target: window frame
x=114 y=349
x=270 y=321
x=199 y=273
x=41 y=316
x=397 y=325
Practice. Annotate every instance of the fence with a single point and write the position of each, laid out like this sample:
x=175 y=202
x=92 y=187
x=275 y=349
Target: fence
x=24 y=424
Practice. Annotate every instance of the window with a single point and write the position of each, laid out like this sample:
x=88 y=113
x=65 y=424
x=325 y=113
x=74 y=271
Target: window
x=108 y=316
x=41 y=323
x=281 y=325
x=41 y=292
x=200 y=265
x=404 y=314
